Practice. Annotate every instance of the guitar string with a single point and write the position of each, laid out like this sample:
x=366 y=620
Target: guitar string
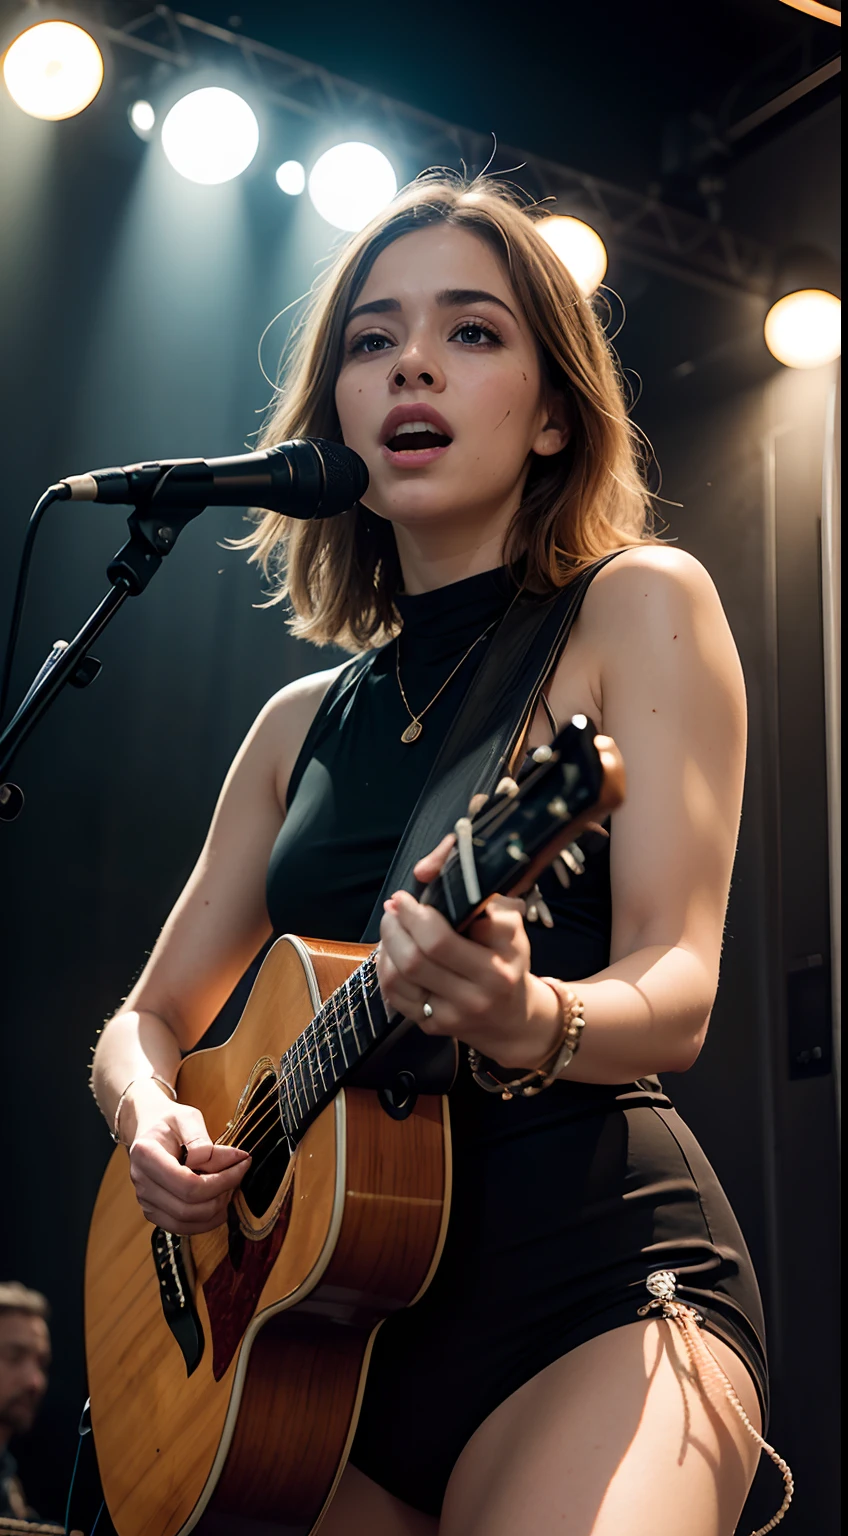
x=305 y=1052
x=273 y=1109
x=298 y=1052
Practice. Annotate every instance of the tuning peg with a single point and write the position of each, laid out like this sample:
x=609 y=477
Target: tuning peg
x=573 y=858
x=561 y=873
x=538 y=910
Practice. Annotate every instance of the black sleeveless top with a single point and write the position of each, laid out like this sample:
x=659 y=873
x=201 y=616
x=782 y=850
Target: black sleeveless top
x=355 y=784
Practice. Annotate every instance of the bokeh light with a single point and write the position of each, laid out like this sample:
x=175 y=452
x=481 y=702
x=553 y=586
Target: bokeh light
x=804 y=329
x=579 y=248
x=291 y=177
x=142 y=118
x=53 y=70
x=210 y=136
x=351 y=183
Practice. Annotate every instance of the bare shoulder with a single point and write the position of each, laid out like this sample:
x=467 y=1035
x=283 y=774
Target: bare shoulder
x=650 y=571
x=284 y=722
x=655 y=624
x=300 y=699
x=637 y=596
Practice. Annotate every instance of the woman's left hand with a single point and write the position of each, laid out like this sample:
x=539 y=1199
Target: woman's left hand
x=480 y=988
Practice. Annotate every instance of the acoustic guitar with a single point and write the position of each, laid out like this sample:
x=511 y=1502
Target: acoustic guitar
x=226 y=1369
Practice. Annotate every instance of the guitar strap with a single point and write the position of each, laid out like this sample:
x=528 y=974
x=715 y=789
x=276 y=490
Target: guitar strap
x=489 y=730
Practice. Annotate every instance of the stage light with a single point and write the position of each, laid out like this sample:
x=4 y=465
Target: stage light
x=804 y=329
x=291 y=177
x=350 y=183
x=803 y=325
x=210 y=135
x=53 y=70
x=142 y=118
x=579 y=248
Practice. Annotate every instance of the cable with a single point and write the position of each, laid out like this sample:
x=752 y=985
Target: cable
x=53 y=493
x=73 y=1480
x=97 y=1518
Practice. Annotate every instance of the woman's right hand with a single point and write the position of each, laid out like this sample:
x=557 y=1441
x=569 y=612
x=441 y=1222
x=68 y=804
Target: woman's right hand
x=182 y=1181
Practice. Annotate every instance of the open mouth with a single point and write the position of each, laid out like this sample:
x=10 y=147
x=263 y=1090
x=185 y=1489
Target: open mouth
x=416 y=437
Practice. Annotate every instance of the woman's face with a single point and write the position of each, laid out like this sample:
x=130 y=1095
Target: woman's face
x=440 y=389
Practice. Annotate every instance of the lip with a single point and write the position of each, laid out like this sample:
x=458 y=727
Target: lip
x=421 y=412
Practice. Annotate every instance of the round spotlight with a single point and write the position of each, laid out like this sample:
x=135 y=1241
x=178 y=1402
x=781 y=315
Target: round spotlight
x=53 y=70
x=291 y=177
x=579 y=248
x=210 y=135
x=350 y=183
x=804 y=329
x=142 y=118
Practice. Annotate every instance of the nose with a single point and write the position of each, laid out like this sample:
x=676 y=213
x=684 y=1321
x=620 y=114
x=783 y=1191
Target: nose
x=36 y=1376
x=418 y=364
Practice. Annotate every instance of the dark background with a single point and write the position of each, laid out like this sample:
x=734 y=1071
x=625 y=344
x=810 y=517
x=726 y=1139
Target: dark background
x=132 y=307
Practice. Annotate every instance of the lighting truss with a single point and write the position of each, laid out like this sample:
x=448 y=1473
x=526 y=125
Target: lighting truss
x=640 y=228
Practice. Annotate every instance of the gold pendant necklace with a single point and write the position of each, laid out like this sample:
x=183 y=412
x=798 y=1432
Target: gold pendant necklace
x=414 y=729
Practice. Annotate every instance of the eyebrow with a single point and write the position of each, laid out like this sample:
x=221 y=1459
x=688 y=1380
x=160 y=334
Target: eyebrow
x=449 y=298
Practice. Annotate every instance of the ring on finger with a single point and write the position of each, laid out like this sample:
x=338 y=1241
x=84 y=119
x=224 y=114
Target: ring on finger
x=427 y=1008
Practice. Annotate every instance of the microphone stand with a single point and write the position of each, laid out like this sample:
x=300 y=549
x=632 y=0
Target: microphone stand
x=153 y=533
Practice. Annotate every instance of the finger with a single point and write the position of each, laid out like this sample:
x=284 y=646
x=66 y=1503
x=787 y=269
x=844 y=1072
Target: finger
x=150 y=1160
x=419 y=960
x=438 y=943
x=500 y=926
x=219 y=1156
x=177 y=1216
x=427 y=868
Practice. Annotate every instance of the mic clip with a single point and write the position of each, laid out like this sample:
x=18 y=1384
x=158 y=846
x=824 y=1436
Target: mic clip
x=154 y=531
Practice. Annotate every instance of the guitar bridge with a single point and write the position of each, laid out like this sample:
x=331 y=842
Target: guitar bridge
x=176 y=1294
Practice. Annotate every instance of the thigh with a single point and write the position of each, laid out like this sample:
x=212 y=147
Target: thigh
x=613 y=1439
x=360 y=1507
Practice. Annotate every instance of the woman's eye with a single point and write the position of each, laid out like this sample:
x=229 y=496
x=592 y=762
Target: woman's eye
x=367 y=343
x=473 y=334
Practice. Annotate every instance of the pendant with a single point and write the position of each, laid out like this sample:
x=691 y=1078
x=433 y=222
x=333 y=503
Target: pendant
x=412 y=731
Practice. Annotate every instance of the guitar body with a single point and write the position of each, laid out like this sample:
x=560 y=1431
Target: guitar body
x=226 y=1369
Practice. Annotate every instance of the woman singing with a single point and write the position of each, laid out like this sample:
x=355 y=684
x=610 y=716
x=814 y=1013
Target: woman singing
x=524 y=1394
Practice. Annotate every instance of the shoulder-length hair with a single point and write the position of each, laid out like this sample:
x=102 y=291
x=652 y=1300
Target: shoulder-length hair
x=341 y=574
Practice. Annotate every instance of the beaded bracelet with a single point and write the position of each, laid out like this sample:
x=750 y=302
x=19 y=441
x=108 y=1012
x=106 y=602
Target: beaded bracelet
x=154 y=1078
x=556 y=1060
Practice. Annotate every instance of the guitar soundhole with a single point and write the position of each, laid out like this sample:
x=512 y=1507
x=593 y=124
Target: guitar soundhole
x=259 y=1129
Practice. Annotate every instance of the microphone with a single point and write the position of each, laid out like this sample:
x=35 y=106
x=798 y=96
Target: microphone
x=305 y=478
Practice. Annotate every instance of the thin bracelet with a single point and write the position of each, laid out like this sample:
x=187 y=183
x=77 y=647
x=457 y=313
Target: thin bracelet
x=548 y=1070
x=154 y=1078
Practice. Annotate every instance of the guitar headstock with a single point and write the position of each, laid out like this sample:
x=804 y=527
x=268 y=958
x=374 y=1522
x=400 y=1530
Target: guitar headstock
x=515 y=836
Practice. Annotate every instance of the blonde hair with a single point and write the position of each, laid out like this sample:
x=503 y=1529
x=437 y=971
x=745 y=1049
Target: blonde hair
x=15 y=1297
x=341 y=574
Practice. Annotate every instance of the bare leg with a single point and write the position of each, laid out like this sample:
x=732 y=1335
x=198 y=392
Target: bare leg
x=361 y=1508
x=614 y=1439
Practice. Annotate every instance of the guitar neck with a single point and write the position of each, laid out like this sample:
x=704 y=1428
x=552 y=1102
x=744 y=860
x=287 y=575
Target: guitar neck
x=346 y=1029
x=514 y=838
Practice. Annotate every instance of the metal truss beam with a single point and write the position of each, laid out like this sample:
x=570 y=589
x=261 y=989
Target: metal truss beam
x=639 y=228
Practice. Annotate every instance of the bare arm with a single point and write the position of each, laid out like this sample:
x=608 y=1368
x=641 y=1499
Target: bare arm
x=673 y=699
x=216 y=927
x=674 y=702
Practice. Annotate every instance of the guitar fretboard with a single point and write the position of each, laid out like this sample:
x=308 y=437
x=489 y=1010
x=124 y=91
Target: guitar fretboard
x=347 y=1026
